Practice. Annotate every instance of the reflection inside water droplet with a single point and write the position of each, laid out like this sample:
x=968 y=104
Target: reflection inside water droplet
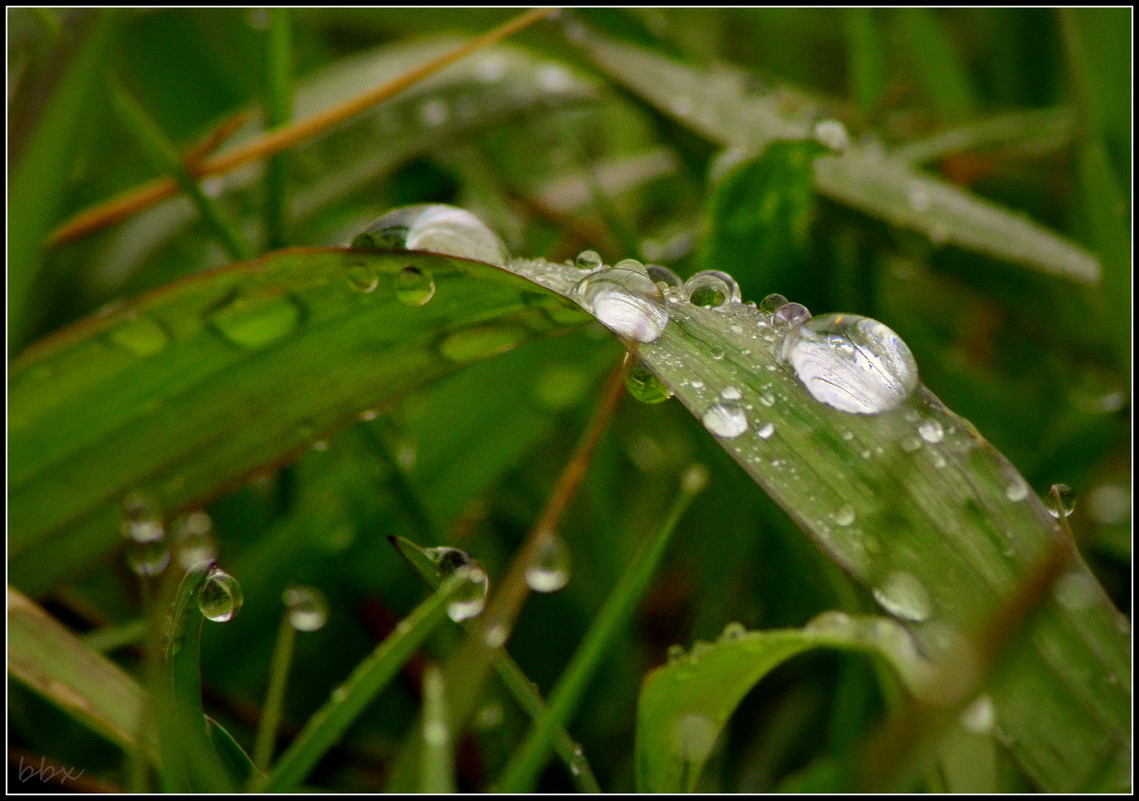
x=1061 y=501
x=414 y=286
x=625 y=301
x=470 y=599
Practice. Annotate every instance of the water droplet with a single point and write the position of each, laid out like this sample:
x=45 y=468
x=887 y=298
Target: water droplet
x=362 y=278
x=1016 y=490
x=148 y=557
x=766 y=430
x=771 y=303
x=193 y=538
x=437 y=228
x=644 y=385
x=625 y=301
x=1061 y=501
x=980 y=716
x=832 y=134
x=910 y=444
x=220 y=597
x=725 y=419
x=549 y=571
x=693 y=737
x=676 y=654
x=663 y=275
x=142 y=518
x=414 y=286
x=479 y=342
x=830 y=622
x=732 y=632
x=630 y=264
x=694 y=480
x=434 y=113
x=555 y=78
x=496 y=635
x=306 y=608
x=141 y=336
x=854 y=364
x=471 y=598
x=253 y=322
x=711 y=289
x=588 y=260
x=931 y=431
x=731 y=393
x=844 y=516
x=791 y=314
x=904 y=597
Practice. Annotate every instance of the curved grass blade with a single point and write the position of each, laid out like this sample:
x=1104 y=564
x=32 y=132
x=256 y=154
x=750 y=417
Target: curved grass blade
x=189 y=388
x=913 y=501
x=54 y=663
x=685 y=705
x=516 y=682
x=718 y=104
x=328 y=724
x=237 y=764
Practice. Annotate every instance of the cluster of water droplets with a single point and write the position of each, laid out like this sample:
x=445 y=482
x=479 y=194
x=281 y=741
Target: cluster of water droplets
x=470 y=599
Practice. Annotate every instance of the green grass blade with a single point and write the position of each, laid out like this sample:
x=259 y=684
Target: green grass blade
x=54 y=663
x=37 y=181
x=230 y=754
x=278 y=107
x=190 y=388
x=866 y=58
x=274 y=695
x=935 y=60
x=516 y=682
x=325 y=728
x=914 y=495
x=437 y=773
x=523 y=769
x=685 y=705
x=717 y=104
x=165 y=158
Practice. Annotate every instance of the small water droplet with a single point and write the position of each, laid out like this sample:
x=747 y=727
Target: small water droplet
x=844 y=516
x=437 y=228
x=725 y=419
x=693 y=737
x=711 y=289
x=676 y=654
x=771 y=303
x=256 y=321
x=830 y=622
x=306 y=608
x=851 y=363
x=732 y=632
x=1016 y=490
x=904 y=597
x=731 y=393
x=662 y=275
x=555 y=78
x=910 y=444
x=362 y=278
x=142 y=518
x=694 y=479
x=220 y=597
x=142 y=336
x=148 y=557
x=434 y=113
x=550 y=570
x=471 y=598
x=832 y=134
x=644 y=385
x=1061 y=501
x=980 y=716
x=496 y=635
x=193 y=538
x=766 y=430
x=791 y=314
x=630 y=264
x=588 y=260
x=625 y=301
x=931 y=431
x=414 y=286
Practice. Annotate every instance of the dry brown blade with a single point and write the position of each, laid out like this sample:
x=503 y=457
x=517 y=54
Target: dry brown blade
x=134 y=201
x=193 y=157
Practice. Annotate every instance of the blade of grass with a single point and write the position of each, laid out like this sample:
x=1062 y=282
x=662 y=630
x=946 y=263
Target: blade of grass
x=866 y=58
x=523 y=769
x=166 y=158
x=1052 y=125
x=278 y=110
x=274 y=697
x=328 y=724
x=514 y=679
x=438 y=769
x=935 y=60
x=283 y=138
x=51 y=661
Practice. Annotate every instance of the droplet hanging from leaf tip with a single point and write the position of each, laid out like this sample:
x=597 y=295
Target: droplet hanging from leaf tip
x=220 y=597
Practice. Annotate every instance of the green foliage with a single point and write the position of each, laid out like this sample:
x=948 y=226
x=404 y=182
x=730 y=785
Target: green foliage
x=959 y=175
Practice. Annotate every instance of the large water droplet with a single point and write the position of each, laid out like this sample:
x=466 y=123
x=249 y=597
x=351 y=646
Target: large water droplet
x=644 y=385
x=1061 y=501
x=772 y=303
x=306 y=607
x=852 y=363
x=437 y=228
x=253 y=322
x=625 y=301
x=549 y=571
x=414 y=286
x=904 y=597
x=470 y=599
x=791 y=314
x=711 y=289
x=141 y=336
x=193 y=539
x=220 y=597
x=142 y=518
x=725 y=419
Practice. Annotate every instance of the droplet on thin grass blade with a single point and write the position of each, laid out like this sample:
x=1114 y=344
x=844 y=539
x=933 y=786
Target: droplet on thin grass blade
x=550 y=570
x=306 y=608
x=220 y=597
